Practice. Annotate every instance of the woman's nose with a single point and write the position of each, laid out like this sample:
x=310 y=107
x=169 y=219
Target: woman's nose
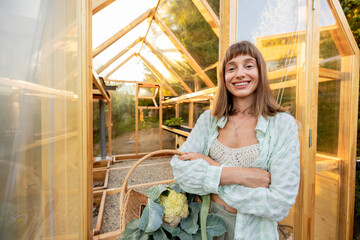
x=240 y=73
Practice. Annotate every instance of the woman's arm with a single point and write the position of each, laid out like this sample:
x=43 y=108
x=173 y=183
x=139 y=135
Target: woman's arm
x=197 y=176
x=248 y=177
x=273 y=202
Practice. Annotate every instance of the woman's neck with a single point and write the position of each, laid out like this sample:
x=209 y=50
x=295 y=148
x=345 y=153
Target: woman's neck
x=243 y=106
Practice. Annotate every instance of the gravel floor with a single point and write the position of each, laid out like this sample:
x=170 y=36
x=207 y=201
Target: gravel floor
x=151 y=170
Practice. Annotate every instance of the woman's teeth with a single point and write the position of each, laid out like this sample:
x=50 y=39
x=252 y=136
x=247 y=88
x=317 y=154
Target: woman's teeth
x=241 y=84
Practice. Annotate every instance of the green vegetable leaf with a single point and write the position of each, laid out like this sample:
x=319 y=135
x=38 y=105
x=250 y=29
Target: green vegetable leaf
x=132 y=232
x=160 y=235
x=172 y=230
x=155 y=191
x=190 y=224
x=215 y=226
x=177 y=232
x=176 y=187
x=203 y=215
x=151 y=218
x=197 y=236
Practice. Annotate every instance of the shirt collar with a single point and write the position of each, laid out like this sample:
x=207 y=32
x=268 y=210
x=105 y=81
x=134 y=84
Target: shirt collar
x=261 y=125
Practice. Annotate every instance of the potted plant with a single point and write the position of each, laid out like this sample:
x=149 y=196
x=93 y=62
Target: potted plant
x=174 y=122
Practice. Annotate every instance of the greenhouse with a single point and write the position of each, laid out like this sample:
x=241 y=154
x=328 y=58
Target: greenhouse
x=89 y=87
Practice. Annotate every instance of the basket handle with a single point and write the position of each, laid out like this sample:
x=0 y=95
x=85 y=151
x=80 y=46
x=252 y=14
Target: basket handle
x=124 y=186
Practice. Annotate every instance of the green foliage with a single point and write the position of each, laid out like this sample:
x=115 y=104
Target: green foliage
x=173 y=122
x=151 y=226
x=352 y=12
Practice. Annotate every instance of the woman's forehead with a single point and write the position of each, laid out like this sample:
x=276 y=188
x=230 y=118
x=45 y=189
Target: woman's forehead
x=241 y=57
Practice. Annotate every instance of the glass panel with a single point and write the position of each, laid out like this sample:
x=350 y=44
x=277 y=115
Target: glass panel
x=123 y=118
x=149 y=132
x=96 y=129
x=277 y=28
x=122 y=14
x=333 y=104
x=215 y=5
x=191 y=29
x=170 y=55
x=184 y=113
x=120 y=44
x=160 y=68
x=120 y=61
x=42 y=148
x=199 y=108
x=132 y=70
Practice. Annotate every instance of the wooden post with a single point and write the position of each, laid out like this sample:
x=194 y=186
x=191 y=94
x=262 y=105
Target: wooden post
x=109 y=125
x=191 y=114
x=136 y=118
x=160 y=116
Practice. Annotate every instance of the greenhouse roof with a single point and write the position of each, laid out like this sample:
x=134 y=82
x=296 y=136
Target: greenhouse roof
x=157 y=41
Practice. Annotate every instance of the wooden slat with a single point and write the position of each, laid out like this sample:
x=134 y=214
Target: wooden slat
x=166 y=65
x=148 y=107
x=191 y=95
x=136 y=119
x=157 y=75
x=175 y=130
x=186 y=55
x=121 y=33
x=98 y=5
x=208 y=13
x=327 y=165
x=100 y=214
x=119 y=66
x=117 y=56
x=99 y=86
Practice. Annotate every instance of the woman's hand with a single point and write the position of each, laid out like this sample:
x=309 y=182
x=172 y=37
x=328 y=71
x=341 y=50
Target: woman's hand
x=248 y=177
x=194 y=156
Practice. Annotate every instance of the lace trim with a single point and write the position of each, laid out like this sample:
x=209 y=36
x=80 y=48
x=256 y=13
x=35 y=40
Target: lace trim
x=234 y=157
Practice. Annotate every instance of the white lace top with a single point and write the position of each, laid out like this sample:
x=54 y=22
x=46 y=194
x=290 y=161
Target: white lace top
x=234 y=157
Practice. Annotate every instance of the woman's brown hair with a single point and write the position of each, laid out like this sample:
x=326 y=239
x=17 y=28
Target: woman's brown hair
x=264 y=103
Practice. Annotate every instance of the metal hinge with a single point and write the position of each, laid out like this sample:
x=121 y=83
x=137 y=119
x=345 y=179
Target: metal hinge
x=310 y=137
x=314 y=4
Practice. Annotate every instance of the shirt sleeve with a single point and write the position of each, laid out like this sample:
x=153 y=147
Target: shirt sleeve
x=274 y=202
x=197 y=176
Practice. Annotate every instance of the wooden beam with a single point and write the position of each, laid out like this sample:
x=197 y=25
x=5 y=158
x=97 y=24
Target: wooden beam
x=122 y=32
x=344 y=28
x=157 y=75
x=166 y=65
x=99 y=86
x=136 y=118
x=98 y=5
x=208 y=13
x=113 y=59
x=191 y=95
x=112 y=71
x=186 y=55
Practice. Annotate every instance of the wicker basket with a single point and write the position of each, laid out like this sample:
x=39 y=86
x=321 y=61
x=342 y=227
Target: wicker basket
x=131 y=201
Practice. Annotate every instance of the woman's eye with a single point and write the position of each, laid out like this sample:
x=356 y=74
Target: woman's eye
x=230 y=69
x=249 y=66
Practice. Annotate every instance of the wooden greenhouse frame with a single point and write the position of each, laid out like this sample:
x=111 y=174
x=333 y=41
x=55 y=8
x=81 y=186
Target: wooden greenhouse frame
x=303 y=215
x=49 y=89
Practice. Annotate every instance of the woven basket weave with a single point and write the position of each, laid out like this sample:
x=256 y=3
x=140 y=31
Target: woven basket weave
x=131 y=201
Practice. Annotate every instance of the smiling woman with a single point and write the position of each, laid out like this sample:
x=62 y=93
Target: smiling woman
x=252 y=177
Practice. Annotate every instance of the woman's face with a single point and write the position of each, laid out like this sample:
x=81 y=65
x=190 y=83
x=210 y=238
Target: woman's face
x=242 y=76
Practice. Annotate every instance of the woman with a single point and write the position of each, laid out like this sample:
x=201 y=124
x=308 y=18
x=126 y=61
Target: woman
x=245 y=152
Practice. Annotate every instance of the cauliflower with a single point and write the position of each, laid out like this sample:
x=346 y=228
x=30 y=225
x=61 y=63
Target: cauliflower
x=176 y=207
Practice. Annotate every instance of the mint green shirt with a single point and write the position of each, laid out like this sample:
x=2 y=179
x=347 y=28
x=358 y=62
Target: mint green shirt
x=258 y=209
